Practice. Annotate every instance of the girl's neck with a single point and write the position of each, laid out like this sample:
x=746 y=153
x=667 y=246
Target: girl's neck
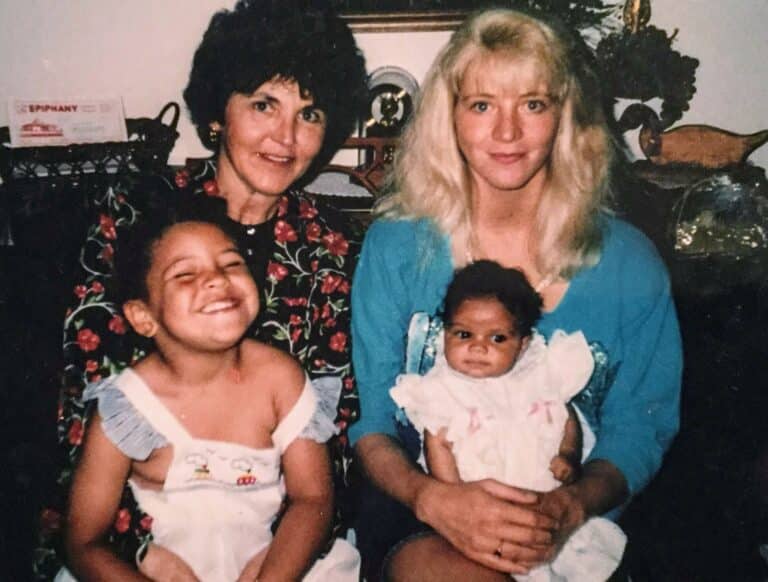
x=243 y=205
x=192 y=369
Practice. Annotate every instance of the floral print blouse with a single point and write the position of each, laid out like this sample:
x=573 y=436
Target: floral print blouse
x=304 y=278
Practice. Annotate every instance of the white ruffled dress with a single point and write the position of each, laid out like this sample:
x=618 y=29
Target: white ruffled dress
x=510 y=427
x=219 y=499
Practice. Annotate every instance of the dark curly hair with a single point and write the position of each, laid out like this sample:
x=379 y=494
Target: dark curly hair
x=136 y=245
x=488 y=279
x=296 y=40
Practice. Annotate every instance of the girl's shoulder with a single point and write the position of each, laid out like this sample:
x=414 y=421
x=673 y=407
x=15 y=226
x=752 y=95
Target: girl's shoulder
x=264 y=366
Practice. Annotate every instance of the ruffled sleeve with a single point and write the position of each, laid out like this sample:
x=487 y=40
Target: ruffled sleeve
x=425 y=401
x=321 y=426
x=128 y=430
x=312 y=415
x=569 y=363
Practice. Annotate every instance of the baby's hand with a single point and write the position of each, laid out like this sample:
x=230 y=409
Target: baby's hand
x=564 y=470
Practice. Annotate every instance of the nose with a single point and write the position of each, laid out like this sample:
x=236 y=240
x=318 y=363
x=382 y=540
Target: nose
x=215 y=278
x=285 y=130
x=478 y=346
x=507 y=126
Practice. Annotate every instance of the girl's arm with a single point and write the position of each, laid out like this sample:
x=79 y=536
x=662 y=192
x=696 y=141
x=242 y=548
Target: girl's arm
x=96 y=489
x=305 y=525
x=439 y=455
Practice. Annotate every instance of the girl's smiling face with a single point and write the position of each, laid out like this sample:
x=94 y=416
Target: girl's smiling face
x=482 y=341
x=201 y=295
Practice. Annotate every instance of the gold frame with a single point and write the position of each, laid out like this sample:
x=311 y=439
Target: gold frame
x=404 y=21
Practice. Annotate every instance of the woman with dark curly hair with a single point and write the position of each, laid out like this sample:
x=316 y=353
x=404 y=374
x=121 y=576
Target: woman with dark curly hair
x=274 y=90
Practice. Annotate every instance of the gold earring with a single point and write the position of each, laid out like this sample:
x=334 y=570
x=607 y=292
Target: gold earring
x=213 y=135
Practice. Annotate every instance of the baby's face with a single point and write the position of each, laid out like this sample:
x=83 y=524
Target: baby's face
x=482 y=341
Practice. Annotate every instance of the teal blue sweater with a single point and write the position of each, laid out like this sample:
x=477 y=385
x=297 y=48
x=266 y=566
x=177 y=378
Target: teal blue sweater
x=623 y=303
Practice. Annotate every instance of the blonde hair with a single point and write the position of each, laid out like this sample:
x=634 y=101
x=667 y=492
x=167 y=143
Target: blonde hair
x=430 y=177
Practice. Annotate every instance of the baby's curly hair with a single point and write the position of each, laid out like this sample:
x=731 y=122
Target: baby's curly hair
x=295 y=40
x=488 y=279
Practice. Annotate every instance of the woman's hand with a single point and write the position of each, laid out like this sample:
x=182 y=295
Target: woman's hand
x=493 y=524
x=162 y=565
x=564 y=506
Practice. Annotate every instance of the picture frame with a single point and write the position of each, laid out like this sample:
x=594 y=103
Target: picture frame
x=403 y=20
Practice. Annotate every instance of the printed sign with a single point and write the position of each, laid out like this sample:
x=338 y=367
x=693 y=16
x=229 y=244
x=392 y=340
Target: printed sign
x=55 y=122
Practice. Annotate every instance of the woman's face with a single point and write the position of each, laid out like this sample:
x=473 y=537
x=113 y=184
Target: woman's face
x=270 y=138
x=482 y=341
x=505 y=122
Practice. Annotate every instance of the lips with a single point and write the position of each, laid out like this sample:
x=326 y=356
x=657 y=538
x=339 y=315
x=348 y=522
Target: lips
x=507 y=158
x=219 y=306
x=275 y=159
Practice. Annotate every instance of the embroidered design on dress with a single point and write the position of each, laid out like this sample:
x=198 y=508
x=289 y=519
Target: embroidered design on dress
x=201 y=472
x=245 y=467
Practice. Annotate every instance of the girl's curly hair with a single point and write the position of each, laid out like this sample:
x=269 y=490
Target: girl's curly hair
x=296 y=40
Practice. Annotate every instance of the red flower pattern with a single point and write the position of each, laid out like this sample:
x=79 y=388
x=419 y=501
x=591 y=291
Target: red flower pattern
x=307 y=210
x=123 y=521
x=276 y=271
x=75 y=432
x=81 y=291
x=107 y=253
x=338 y=341
x=117 y=325
x=88 y=340
x=91 y=366
x=211 y=188
x=181 y=179
x=336 y=244
x=97 y=287
x=331 y=282
x=284 y=232
x=146 y=523
x=107 y=226
x=312 y=232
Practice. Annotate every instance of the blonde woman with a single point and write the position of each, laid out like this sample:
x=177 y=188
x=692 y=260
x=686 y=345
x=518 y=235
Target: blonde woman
x=508 y=158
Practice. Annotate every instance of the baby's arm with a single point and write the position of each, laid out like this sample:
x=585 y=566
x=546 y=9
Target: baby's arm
x=566 y=465
x=96 y=490
x=439 y=455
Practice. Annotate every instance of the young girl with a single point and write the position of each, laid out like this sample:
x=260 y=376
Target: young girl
x=214 y=433
x=496 y=406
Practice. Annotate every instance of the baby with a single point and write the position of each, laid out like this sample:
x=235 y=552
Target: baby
x=495 y=405
x=213 y=432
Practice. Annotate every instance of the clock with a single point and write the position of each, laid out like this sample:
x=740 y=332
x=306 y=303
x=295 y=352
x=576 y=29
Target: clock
x=392 y=92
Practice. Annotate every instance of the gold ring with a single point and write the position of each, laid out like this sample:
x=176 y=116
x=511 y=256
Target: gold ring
x=497 y=553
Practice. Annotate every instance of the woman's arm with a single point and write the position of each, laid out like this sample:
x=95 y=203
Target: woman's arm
x=306 y=523
x=640 y=414
x=96 y=489
x=440 y=460
x=474 y=517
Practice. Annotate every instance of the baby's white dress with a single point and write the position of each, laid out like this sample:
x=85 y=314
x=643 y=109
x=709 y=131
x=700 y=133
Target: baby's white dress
x=510 y=427
x=219 y=499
